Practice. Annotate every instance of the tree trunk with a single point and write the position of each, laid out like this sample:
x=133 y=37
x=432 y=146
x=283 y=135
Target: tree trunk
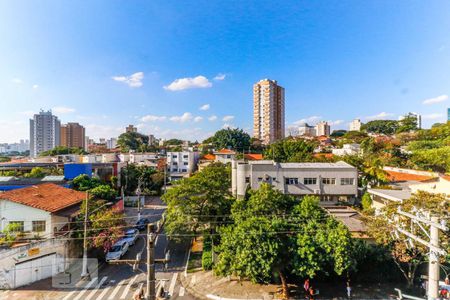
x=284 y=286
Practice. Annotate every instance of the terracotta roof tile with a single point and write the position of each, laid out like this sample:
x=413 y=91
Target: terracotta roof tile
x=47 y=196
x=400 y=176
x=253 y=156
x=226 y=151
x=209 y=156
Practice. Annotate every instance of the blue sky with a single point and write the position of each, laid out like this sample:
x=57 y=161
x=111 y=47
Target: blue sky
x=106 y=64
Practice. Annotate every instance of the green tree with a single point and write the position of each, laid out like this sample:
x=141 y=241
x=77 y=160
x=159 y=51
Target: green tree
x=233 y=138
x=104 y=192
x=366 y=202
x=173 y=142
x=36 y=172
x=193 y=202
x=437 y=159
x=132 y=141
x=274 y=233
x=61 y=150
x=338 y=133
x=387 y=127
x=84 y=183
x=290 y=150
x=408 y=123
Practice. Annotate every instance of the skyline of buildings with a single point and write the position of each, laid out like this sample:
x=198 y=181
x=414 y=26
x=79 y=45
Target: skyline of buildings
x=268 y=111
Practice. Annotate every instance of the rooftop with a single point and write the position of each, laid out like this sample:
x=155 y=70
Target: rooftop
x=348 y=216
x=402 y=176
x=46 y=196
x=393 y=195
x=225 y=151
x=253 y=156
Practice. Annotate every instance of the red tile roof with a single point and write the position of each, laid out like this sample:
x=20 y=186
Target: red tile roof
x=400 y=176
x=226 y=151
x=47 y=196
x=253 y=156
x=209 y=156
x=446 y=177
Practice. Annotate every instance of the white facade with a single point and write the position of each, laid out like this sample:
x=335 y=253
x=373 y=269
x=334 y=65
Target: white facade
x=225 y=156
x=181 y=164
x=306 y=130
x=136 y=158
x=331 y=182
x=347 y=149
x=111 y=143
x=44 y=133
x=355 y=125
x=322 y=128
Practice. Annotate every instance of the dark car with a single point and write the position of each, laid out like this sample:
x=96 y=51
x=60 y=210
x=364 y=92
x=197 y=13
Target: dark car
x=142 y=224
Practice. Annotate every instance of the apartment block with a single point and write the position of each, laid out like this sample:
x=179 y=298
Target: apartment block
x=331 y=182
x=355 y=125
x=268 y=111
x=73 y=135
x=44 y=132
x=322 y=128
x=181 y=164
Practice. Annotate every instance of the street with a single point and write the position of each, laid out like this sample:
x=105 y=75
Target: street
x=119 y=281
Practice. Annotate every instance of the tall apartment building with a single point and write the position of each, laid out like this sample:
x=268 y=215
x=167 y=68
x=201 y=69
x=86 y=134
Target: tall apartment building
x=130 y=128
x=306 y=130
x=268 y=111
x=111 y=143
x=44 y=132
x=73 y=135
x=355 y=125
x=322 y=128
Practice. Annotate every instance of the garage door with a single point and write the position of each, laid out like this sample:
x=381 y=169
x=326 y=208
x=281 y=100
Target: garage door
x=35 y=269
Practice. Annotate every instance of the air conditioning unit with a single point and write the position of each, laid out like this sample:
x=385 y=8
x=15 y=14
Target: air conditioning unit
x=316 y=191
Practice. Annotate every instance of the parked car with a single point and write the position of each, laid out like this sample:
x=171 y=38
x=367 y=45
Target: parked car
x=117 y=250
x=142 y=223
x=131 y=236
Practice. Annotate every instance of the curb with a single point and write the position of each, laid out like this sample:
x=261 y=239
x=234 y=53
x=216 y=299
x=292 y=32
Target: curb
x=191 y=290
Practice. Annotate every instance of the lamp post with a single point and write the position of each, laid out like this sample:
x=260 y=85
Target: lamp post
x=84 y=269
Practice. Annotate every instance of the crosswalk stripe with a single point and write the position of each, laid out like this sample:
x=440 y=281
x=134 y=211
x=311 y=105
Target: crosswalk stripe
x=172 y=284
x=69 y=295
x=127 y=289
x=96 y=288
x=181 y=292
x=100 y=297
x=139 y=287
x=86 y=288
x=115 y=291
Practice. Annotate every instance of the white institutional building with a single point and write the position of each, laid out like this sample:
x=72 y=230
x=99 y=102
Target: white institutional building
x=355 y=125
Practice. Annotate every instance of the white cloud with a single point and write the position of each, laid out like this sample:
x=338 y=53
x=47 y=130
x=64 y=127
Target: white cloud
x=311 y=119
x=198 y=119
x=380 y=116
x=227 y=118
x=62 y=110
x=432 y=116
x=133 y=81
x=153 y=118
x=27 y=113
x=35 y=86
x=183 y=118
x=227 y=125
x=189 y=83
x=212 y=118
x=220 y=76
x=335 y=123
x=16 y=80
x=96 y=131
x=435 y=100
x=204 y=107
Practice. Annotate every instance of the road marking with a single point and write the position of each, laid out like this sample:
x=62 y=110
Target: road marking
x=115 y=291
x=138 y=289
x=100 y=297
x=172 y=284
x=181 y=292
x=69 y=295
x=127 y=289
x=96 y=288
x=156 y=240
x=86 y=288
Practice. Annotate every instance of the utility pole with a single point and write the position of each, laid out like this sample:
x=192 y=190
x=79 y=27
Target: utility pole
x=433 y=244
x=151 y=292
x=84 y=269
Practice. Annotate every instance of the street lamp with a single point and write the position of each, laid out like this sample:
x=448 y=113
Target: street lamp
x=84 y=269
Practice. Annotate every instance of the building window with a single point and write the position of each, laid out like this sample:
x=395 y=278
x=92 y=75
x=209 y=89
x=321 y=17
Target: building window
x=185 y=156
x=185 y=163
x=184 y=170
x=309 y=181
x=291 y=180
x=38 y=226
x=174 y=170
x=174 y=156
x=247 y=179
x=16 y=226
x=260 y=179
x=347 y=181
x=175 y=163
x=228 y=156
x=329 y=181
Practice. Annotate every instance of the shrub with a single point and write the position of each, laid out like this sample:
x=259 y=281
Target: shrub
x=366 y=202
x=207 y=260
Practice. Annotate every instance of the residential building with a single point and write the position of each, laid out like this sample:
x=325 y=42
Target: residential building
x=306 y=130
x=151 y=140
x=41 y=209
x=268 y=111
x=130 y=128
x=351 y=219
x=355 y=125
x=44 y=132
x=322 y=128
x=22 y=146
x=331 y=182
x=347 y=149
x=111 y=143
x=181 y=164
x=148 y=159
x=73 y=135
x=224 y=155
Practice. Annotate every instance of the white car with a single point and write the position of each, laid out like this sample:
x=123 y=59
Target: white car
x=117 y=250
x=131 y=236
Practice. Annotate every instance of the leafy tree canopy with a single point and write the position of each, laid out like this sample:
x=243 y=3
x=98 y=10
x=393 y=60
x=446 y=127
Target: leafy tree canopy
x=61 y=150
x=132 y=141
x=234 y=138
x=290 y=150
x=387 y=127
